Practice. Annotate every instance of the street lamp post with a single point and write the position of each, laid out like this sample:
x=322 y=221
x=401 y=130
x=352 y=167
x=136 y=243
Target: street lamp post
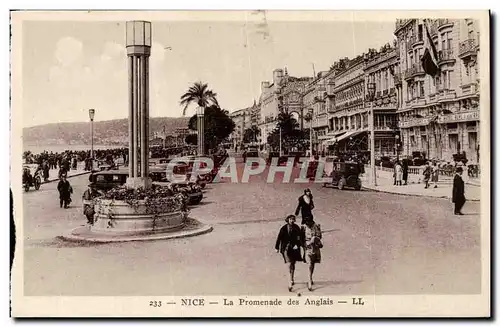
x=200 y=113
x=281 y=153
x=371 y=94
x=310 y=132
x=91 y=116
x=397 y=147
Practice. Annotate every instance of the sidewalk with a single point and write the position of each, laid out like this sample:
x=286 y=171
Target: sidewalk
x=54 y=173
x=385 y=183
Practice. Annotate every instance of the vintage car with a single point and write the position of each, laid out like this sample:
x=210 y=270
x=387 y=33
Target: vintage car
x=345 y=174
x=31 y=177
x=106 y=180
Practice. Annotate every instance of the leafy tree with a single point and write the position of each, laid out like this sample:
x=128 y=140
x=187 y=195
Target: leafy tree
x=218 y=126
x=291 y=134
x=200 y=94
x=251 y=134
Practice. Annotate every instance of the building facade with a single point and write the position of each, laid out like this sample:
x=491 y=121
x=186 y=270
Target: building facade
x=439 y=115
x=284 y=94
x=318 y=102
x=349 y=118
x=382 y=70
x=242 y=121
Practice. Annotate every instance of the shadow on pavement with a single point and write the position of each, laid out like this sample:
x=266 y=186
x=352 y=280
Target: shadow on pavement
x=322 y=284
x=202 y=203
x=59 y=242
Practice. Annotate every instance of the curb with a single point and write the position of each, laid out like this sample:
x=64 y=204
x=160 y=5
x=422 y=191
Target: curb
x=75 y=175
x=417 y=195
x=204 y=229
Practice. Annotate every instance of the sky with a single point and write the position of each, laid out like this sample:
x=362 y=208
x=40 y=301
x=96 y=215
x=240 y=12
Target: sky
x=71 y=66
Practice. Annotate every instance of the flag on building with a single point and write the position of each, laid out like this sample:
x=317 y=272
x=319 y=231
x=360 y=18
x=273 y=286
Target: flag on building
x=429 y=59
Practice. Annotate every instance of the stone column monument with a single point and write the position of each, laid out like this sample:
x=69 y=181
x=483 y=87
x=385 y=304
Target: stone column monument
x=138 y=35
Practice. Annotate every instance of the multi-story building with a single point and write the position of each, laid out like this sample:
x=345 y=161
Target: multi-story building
x=317 y=99
x=439 y=115
x=242 y=121
x=349 y=117
x=382 y=70
x=284 y=94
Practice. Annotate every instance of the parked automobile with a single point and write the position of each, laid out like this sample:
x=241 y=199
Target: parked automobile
x=418 y=159
x=31 y=177
x=345 y=174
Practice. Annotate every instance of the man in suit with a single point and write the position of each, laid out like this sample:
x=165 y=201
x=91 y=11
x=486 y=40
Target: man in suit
x=458 y=196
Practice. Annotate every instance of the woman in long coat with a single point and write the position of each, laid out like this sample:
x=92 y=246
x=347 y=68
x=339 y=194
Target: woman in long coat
x=312 y=243
x=288 y=244
x=305 y=206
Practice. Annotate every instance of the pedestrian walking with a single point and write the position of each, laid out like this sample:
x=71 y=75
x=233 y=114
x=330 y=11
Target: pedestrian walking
x=288 y=243
x=65 y=191
x=305 y=206
x=399 y=173
x=435 y=174
x=427 y=174
x=458 y=196
x=405 y=171
x=312 y=244
x=88 y=197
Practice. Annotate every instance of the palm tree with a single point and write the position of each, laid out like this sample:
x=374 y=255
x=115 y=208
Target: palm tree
x=199 y=94
x=251 y=134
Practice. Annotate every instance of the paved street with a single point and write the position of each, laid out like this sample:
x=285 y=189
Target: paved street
x=374 y=243
x=416 y=186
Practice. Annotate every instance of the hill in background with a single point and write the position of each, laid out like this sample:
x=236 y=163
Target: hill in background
x=110 y=132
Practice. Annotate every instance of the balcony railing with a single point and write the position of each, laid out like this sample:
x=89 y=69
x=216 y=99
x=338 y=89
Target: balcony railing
x=446 y=94
x=467 y=48
x=416 y=69
x=432 y=97
x=401 y=22
x=470 y=88
x=413 y=41
x=442 y=23
x=445 y=56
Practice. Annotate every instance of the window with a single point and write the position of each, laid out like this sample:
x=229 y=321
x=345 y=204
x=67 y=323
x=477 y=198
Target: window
x=423 y=139
x=422 y=92
x=420 y=32
x=412 y=140
x=453 y=142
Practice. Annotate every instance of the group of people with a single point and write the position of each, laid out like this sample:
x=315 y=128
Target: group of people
x=300 y=244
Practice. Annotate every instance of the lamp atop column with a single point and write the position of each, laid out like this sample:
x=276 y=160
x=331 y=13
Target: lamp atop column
x=138 y=37
x=91 y=114
x=371 y=90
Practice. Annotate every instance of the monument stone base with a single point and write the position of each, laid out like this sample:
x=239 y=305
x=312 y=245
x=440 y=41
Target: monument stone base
x=137 y=182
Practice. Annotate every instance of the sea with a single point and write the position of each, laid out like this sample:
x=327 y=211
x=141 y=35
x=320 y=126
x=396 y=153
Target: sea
x=63 y=147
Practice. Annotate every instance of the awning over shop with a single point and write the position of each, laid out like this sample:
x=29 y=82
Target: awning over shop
x=332 y=139
x=348 y=135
